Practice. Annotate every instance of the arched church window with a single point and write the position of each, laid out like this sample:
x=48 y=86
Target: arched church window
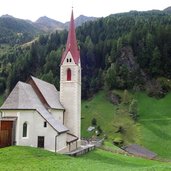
x=70 y=60
x=24 y=129
x=68 y=74
x=67 y=60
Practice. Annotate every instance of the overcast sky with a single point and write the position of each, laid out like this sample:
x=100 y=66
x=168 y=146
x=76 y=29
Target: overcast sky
x=60 y=9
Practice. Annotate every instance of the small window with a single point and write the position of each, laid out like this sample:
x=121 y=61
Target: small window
x=68 y=74
x=67 y=60
x=45 y=124
x=24 y=129
x=70 y=60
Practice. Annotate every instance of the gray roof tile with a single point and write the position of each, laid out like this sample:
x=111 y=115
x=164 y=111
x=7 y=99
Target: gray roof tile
x=49 y=92
x=24 y=97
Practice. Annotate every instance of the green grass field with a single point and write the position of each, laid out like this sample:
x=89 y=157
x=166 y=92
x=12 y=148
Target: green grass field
x=33 y=159
x=155 y=123
x=99 y=108
x=153 y=129
x=110 y=117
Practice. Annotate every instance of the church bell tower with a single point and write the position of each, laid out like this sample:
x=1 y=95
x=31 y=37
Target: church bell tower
x=70 y=82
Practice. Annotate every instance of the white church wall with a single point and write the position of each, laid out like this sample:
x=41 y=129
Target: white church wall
x=70 y=95
x=70 y=103
x=57 y=114
x=9 y=113
x=16 y=113
x=67 y=60
x=48 y=132
x=35 y=128
x=61 y=141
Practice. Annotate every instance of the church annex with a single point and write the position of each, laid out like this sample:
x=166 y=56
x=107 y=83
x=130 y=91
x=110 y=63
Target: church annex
x=36 y=114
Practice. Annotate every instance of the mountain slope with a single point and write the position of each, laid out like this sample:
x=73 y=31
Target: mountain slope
x=168 y=9
x=48 y=24
x=152 y=130
x=138 y=42
x=16 y=31
x=155 y=123
x=81 y=20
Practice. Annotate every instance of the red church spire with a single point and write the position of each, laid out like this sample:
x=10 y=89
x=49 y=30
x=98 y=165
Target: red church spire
x=72 y=43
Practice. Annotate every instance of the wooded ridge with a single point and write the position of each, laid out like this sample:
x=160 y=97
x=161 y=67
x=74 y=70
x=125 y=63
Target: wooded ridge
x=125 y=51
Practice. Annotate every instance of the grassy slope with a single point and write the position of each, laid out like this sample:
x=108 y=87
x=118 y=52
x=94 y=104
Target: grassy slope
x=155 y=120
x=153 y=130
x=98 y=108
x=27 y=158
x=108 y=118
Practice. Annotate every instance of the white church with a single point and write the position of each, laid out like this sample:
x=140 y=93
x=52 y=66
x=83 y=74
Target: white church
x=36 y=114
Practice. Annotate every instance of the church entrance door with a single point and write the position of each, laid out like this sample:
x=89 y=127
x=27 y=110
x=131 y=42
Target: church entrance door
x=40 y=142
x=6 y=132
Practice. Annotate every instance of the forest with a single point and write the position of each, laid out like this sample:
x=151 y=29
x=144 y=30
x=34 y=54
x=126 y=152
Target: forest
x=122 y=51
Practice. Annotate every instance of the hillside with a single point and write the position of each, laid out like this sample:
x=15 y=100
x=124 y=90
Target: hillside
x=81 y=20
x=152 y=130
x=168 y=9
x=27 y=158
x=48 y=24
x=122 y=51
x=16 y=31
x=155 y=123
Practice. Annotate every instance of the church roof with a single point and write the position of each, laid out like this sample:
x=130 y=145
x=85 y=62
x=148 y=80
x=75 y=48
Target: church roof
x=23 y=97
x=49 y=93
x=71 y=45
x=59 y=127
x=71 y=138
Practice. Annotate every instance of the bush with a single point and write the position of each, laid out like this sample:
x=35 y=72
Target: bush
x=118 y=141
x=133 y=109
x=94 y=122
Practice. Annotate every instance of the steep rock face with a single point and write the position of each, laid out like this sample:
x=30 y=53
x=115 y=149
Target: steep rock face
x=128 y=70
x=127 y=59
x=114 y=98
